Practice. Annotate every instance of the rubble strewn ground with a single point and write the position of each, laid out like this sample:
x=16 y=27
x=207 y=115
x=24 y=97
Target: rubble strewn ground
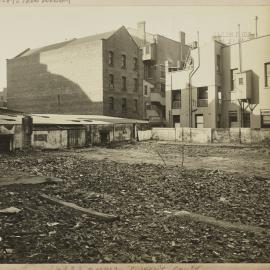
x=229 y=183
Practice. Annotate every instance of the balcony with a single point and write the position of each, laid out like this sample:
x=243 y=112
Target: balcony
x=243 y=85
x=158 y=97
x=176 y=104
x=149 y=52
x=202 y=103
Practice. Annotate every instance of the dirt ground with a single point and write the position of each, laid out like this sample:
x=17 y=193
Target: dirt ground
x=141 y=183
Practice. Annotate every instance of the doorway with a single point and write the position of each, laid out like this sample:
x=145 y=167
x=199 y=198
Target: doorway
x=199 y=121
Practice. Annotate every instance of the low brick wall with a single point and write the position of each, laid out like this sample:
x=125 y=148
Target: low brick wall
x=208 y=135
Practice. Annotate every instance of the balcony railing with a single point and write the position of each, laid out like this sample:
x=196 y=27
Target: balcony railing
x=202 y=103
x=176 y=104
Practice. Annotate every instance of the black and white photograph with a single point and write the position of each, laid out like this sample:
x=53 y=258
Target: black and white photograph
x=135 y=134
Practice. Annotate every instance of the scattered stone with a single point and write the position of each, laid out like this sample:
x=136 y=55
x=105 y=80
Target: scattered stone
x=10 y=210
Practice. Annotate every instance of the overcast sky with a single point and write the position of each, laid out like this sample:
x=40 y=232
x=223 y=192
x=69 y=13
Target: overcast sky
x=22 y=28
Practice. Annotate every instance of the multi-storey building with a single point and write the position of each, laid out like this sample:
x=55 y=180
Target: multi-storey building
x=156 y=49
x=100 y=74
x=224 y=86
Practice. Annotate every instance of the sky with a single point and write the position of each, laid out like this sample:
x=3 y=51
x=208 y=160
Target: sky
x=32 y=27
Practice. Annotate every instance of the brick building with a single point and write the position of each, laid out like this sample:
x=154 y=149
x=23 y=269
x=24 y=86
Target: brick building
x=156 y=49
x=100 y=74
x=225 y=86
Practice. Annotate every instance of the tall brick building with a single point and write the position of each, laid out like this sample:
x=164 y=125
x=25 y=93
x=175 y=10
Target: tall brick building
x=100 y=74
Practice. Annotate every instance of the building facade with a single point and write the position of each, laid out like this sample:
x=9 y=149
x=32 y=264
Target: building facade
x=224 y=86
x=100 y=74
x=156 y=49
x=3 y=98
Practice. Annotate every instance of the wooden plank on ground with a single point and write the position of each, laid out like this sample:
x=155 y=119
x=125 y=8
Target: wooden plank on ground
x=220 y=223
x=93 y=213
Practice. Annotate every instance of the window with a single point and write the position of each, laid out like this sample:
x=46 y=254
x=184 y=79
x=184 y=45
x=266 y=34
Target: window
x=267 y=74
x=162 y=72
x=162 y=87
x=233 y=119
x=199 y=121
x=246 y=119
x=135 y=84
x=110 y=58
x=124 y=83
x=218 y=63
x=176 y=120
x=135 y=63
x=202 y=96
x=148 y=72
x=124 y=105
x=265 y=118
x=111 y=81
x=124 y=61
x=176 y=99
x=111 y=103
x=148 y=106
x=233 y=78
x=145 y=90
x=219 y=93
x=241 y=81
x=135 y=105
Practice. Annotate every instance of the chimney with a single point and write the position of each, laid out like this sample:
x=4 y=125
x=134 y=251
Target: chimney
x=141 y=30
x=182 y=37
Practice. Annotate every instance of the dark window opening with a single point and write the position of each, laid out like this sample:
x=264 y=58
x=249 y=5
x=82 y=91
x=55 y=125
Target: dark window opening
x=111 y=103
x=265 y=118
x=111 y=81
x=135 y=63
x=145 y=90
x=233 y=79
x=124 y=83
x=124 y=61
x=267 y=74
x=246 y=119
x=176 y=120
x=135 y=105
x=124 y=105
x=202 y=97
x=135 y=85
x=110 y=58
x=233 y=119
x=176 y=99
x=218 y=63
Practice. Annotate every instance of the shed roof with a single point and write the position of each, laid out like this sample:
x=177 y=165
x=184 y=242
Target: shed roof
x=10 y=119
x=64 y=119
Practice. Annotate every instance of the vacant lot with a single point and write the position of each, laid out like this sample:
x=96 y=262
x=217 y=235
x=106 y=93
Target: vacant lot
x=143 y=184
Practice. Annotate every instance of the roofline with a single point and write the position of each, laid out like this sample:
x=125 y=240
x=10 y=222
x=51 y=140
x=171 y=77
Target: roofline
x=169 y=38
x=128 y=34
x=26 y=50
x=246 y=40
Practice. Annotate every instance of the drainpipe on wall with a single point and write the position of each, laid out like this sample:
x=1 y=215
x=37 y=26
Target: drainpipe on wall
x=240 y=70
x=193 y=71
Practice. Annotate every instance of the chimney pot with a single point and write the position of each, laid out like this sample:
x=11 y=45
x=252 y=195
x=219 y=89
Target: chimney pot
x=182 y=37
